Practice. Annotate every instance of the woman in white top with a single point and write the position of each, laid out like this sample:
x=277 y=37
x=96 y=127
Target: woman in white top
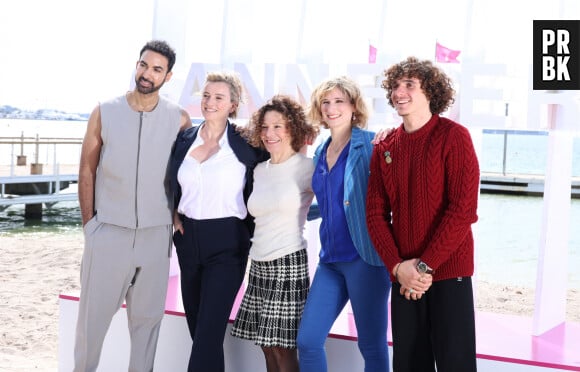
x=211 y=174
x=278 y=282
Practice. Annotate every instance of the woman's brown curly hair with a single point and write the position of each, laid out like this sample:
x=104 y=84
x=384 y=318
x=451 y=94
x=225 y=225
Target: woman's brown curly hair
x=300 y=130
x=437 y=86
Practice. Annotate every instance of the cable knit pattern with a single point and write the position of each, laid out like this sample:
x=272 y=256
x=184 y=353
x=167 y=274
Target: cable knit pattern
x=428 y=181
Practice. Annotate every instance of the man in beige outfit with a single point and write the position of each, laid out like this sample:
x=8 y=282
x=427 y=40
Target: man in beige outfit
x=126 y=210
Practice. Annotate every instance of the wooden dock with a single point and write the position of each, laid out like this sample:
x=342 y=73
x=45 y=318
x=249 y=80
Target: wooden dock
x=20 y=186
x=520 y=184
x=36 y=182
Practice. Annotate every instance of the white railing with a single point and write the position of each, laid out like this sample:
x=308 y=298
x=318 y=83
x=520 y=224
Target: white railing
x=45 y=175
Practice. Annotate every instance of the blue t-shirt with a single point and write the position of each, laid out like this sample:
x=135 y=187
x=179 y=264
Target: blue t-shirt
x=328 y=186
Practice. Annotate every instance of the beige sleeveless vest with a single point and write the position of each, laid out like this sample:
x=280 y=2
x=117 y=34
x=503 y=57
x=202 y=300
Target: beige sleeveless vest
x=132 y=185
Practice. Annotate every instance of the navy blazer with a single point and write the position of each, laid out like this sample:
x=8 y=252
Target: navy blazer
x=246 y=154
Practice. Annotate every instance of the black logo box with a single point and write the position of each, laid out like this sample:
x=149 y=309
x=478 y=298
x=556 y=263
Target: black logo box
x=573 y=64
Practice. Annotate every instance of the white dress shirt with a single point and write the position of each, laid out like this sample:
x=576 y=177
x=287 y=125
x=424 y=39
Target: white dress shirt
x=213 y=188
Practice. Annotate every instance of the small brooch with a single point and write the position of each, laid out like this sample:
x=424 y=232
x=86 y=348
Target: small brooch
x=388 y=158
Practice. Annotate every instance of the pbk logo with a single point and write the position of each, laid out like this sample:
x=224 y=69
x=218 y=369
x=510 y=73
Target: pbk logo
x=556 y=55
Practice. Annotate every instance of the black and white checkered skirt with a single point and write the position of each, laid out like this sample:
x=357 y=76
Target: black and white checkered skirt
x=272 y=306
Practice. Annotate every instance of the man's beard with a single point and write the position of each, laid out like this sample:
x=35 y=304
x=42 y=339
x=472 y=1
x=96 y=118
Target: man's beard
x=147 y=90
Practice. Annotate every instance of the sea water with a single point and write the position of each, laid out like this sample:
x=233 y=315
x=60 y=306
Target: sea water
x=507 y=233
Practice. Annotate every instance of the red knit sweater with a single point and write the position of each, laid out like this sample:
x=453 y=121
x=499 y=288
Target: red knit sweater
x=428 y=181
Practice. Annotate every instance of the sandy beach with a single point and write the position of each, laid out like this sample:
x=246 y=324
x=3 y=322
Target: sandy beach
x=35 y=269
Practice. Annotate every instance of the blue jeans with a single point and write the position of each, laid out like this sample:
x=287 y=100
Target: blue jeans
x=334 y=284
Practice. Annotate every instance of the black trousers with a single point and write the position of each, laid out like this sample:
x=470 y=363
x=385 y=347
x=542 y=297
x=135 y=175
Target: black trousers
x=212 y=258
x=438 y=329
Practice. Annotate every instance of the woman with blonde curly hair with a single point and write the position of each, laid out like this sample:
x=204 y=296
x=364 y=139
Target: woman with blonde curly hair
x=349 y=268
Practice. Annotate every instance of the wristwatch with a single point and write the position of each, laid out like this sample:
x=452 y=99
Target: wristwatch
x=423 y=268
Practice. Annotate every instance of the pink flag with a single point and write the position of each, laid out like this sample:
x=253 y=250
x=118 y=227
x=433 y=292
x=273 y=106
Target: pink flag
x=446 y=55
x=372 y=54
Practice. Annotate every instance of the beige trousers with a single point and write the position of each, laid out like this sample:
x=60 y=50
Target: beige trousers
x=122 y=265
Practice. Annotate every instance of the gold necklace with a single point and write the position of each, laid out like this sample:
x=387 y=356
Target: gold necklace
x=337 y=149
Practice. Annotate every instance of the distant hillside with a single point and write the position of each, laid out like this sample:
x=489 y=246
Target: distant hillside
x=11 y=112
